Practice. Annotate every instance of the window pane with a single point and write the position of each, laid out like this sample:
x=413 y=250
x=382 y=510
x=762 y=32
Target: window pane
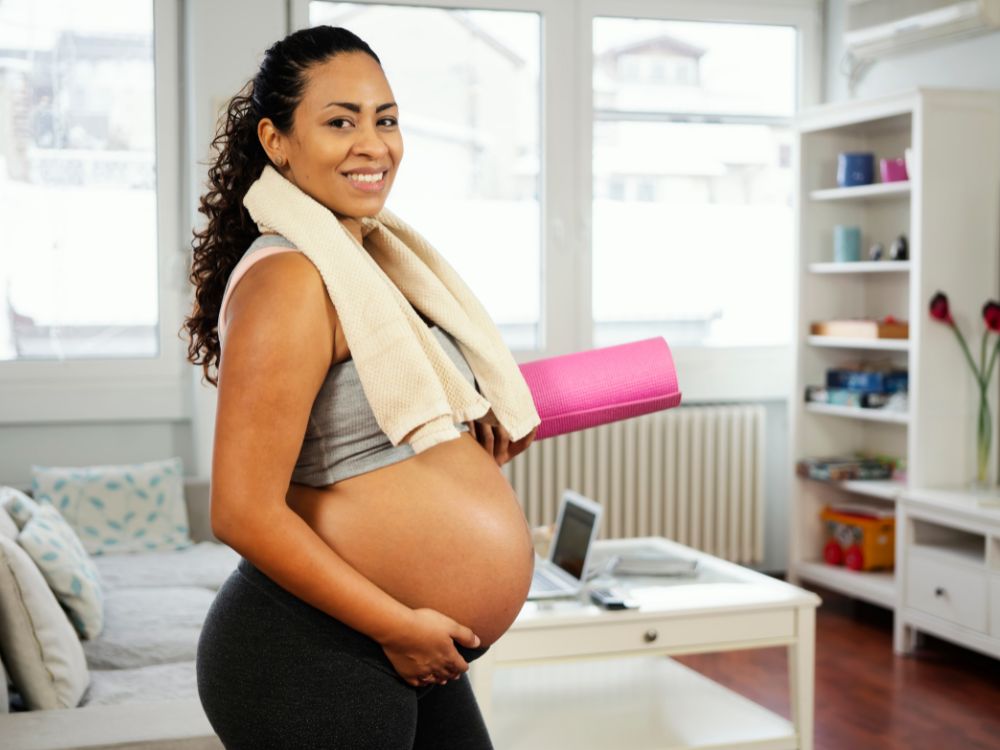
x=685 y=66
x=692 y=227
x=78 y=265
x=467 y=85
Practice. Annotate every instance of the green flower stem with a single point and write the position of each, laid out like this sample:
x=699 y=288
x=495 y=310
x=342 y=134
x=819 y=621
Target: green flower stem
x=984 y=432
x=989 y=370
x=985 y=437
x=982 y=351
x=968 y=355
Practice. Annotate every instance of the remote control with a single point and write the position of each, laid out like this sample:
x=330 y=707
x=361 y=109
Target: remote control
x=608 y=599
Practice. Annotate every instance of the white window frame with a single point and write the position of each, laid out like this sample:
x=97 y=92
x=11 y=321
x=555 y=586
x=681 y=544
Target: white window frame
x=557 y=107
x=706 y=373
x=117 y=389
x=737 y=373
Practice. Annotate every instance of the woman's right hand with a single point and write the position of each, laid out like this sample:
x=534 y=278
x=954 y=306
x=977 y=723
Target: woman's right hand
x=424 y=647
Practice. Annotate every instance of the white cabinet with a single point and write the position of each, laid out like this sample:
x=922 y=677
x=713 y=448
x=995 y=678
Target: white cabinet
x=949 y=210
x=949 y=569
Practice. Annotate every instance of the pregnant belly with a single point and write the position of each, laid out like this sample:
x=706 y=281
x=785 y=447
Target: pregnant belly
x=442 y=529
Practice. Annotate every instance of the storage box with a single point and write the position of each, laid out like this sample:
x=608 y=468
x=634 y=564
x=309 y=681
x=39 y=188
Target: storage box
x=862 y=329
x=859 y=538
x=867 y=381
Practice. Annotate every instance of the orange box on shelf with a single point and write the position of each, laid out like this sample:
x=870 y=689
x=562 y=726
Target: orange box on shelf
x=862 y=329
x=859 y=537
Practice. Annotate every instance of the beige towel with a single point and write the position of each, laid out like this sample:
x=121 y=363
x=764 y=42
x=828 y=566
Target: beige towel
x=409 y=380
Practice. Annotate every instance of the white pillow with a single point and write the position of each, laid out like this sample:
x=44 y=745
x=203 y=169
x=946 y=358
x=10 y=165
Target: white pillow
x=19 y=506
x=66 y=567
x=39 y=647
x=119 y=508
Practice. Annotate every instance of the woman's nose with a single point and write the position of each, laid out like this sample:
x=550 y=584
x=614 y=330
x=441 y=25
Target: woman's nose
x=370 y=142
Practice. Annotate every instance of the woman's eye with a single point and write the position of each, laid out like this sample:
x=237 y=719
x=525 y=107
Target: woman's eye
x=338 y=122
x=388 y=121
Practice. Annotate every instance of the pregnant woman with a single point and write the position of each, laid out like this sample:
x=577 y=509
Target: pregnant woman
x=371 y=571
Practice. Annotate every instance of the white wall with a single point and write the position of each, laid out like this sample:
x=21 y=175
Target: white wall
x=968 y=63
x=225 y=43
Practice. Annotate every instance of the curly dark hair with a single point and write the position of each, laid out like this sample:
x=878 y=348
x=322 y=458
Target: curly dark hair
x=274 y=92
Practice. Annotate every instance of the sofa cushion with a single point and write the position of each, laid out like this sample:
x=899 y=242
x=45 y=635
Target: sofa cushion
x=157 y=682
x=154 y=625
x=67 y=568
x=204 y=564
x=38 y=644
x=119 y=508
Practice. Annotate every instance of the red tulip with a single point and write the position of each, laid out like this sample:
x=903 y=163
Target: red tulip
x=991 y=314
x=939 y=309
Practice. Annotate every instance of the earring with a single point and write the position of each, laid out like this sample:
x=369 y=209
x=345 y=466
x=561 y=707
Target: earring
x=280 y=162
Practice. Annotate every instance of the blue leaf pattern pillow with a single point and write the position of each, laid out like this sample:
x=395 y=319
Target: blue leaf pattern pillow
x=20 y=507
x=67 y=568
x=122 y=508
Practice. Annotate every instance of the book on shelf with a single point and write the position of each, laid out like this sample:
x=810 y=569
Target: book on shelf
x=862 y=328
x=841 y=468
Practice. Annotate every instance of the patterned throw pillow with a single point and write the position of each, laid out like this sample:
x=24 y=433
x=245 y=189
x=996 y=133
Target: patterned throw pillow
x=20 y=507
x=40 y=648
x=124 y=508
x=67 y=568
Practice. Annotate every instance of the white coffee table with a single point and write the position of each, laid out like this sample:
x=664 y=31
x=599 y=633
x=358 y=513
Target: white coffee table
x=569 y=674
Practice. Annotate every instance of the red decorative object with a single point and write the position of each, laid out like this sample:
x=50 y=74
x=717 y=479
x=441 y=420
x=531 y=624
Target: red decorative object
x=854 y=558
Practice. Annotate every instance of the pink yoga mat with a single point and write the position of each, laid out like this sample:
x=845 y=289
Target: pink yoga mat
x=594 y=387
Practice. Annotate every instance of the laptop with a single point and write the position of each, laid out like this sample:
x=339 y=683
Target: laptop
x=562 y=573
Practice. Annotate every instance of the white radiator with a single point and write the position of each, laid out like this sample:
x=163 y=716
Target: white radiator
x=692 y=474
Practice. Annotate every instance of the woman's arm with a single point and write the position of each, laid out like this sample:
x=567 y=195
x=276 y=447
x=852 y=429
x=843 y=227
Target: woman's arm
x=277 y=351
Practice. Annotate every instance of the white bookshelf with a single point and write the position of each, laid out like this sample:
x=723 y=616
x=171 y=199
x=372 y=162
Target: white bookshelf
x=949 y=211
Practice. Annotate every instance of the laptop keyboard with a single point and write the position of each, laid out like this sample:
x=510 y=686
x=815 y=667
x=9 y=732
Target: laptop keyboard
x=541 y=582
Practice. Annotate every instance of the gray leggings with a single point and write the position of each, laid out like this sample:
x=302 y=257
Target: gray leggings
x=276 y=673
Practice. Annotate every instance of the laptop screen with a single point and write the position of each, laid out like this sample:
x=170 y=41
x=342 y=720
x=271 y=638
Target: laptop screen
x=574 y=538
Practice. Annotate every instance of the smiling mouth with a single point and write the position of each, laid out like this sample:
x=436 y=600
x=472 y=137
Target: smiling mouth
x=368 y=183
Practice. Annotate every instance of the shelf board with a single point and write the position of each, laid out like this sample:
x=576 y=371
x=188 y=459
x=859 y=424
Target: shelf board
x=852 y=412
x=884 y=489
x=863 y=192
x=840 y=342
x=651 y=701
x=877 y=587
x=862 y=266
x=967 y=553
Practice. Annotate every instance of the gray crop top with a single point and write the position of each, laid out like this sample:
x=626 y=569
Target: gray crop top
x=342 y=438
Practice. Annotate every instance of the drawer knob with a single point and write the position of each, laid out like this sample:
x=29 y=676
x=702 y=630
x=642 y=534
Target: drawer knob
x=939 y=591
x=650 y=635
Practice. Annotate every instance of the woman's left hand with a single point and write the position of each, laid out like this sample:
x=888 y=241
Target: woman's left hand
x=496 y=440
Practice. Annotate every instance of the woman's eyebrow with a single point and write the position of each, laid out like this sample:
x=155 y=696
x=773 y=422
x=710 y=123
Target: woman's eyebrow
x=357 y=107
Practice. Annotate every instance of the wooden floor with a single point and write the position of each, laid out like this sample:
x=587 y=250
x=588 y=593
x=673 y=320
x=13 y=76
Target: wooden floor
x=868 y=698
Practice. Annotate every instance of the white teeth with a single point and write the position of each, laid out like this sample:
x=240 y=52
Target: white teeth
x=366 y=177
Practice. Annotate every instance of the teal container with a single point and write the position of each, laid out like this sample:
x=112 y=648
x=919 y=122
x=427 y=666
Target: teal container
x=846 y=244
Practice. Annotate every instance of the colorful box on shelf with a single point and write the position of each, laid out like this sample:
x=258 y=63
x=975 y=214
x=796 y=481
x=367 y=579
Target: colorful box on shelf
x=873 y=380
x=888 y=328
x=859 y=537
x=844 y=468
x=818 y=394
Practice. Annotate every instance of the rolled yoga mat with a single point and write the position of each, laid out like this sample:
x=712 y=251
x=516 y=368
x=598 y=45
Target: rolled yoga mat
x=597 y=386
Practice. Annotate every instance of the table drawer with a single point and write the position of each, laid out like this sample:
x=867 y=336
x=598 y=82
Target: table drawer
x=650 y=634
x=951 y=591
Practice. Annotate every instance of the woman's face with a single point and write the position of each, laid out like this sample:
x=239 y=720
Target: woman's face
x=345 y=144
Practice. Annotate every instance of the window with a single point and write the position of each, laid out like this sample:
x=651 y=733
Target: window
x=661 y=174
x=467 y=84
x=78 y=267
x=92 y=268
x=689 y=253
